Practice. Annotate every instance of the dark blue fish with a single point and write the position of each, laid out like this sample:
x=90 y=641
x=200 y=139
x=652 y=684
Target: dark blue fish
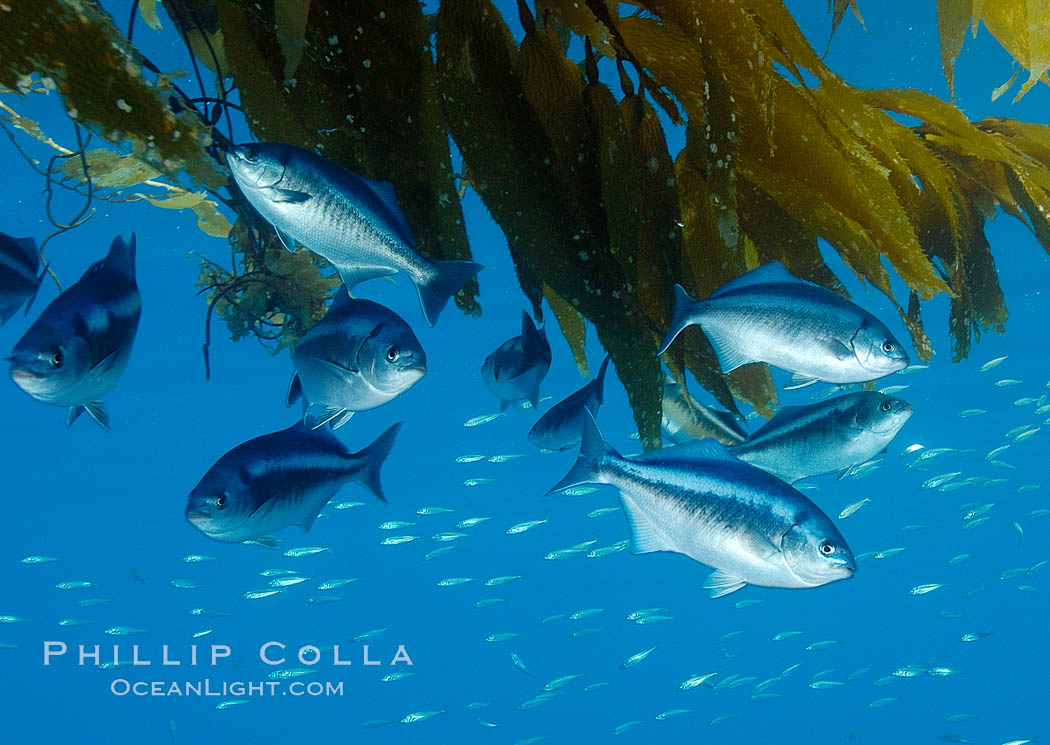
x=19 y=264
x=281 y=479
x=515 y=370
x=359 y=356
x=354 y=223
x=77 y=350
x=561 y=427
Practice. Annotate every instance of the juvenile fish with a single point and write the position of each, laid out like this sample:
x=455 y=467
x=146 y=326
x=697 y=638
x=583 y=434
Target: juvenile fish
x=281 y=479
x=634 y=659
x=769 y=315
x=522 y=527
x=38 y=560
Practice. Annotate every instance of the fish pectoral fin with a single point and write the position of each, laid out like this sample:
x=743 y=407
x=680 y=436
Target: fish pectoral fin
x=729 y=359
x=339 y=369
x=798 y=380
x=286 y=240
x=721 y=583
x=342 y=419
x=288 y=195
x=644 y=536
x=355 y=275
x=295 y=390
x=96 y=410
x=837 y=349
x=105 y=363
x=266 y=541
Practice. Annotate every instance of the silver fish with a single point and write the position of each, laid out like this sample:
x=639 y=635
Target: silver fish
x=561 y=426
x=515 y=370
x=359 y=356
x=78 y=348
x=698 y=500
x=769 y=315
x=826 y=437
x=353 y=223
x=281 y=479
x=684 y=419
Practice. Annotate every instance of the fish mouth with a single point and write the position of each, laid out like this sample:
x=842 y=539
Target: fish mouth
x=194 y=516
x=26 y=379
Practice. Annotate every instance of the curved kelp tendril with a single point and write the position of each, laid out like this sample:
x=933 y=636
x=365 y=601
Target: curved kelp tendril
x=80 y=217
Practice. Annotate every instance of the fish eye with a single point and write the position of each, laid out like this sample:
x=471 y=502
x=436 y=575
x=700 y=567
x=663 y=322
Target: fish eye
x=392 y=354
x=888 y=347
x=251 y=155
x=827 y=548
x=885 y=406
x=57 y=358
x=220 y=501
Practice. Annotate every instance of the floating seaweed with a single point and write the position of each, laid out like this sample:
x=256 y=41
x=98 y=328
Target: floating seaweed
x=569 y=155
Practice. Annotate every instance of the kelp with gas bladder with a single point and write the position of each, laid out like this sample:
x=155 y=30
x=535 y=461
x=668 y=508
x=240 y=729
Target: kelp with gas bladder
x=600 y=217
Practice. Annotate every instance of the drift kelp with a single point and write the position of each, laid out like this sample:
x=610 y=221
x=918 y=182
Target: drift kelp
x=600 y=217
x=47 y=37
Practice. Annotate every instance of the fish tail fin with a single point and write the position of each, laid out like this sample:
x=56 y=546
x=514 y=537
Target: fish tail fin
x=371 y=461
x=599 y=382
x=451 y=275
x=683 y=306
x=122 y=255
x=592 y=449
x=295 y=390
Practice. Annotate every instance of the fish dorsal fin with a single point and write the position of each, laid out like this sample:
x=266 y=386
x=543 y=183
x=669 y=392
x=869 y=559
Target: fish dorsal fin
x=529 y=335
x=705 y=448
x=721 y=583
x=342 y=299
x=645 y=538
x=121 y=257
x=388 y=196
x=598 y=384
x=772 y=273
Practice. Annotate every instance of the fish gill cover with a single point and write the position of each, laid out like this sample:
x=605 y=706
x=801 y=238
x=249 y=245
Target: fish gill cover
x=569 y=154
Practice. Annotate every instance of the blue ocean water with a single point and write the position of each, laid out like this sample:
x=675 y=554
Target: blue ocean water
x=110 y=507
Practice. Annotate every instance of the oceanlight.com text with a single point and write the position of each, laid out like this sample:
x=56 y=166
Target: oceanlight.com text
x=225 y=689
